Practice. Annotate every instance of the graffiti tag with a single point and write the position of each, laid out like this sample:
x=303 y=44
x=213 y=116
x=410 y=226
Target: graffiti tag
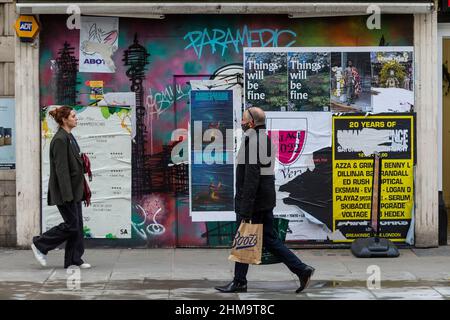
x=160 y=101
x=154 y=228
x=221 y=39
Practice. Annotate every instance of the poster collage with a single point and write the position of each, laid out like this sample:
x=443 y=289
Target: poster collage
x=330 y=79
x=313 y=98
x=339 y=105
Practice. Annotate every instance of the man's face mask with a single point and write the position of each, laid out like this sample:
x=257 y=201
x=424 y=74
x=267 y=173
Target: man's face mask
x=246 y=126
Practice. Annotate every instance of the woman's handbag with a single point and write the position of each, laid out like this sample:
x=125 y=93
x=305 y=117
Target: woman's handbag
x=87 y=169
x=247 y=243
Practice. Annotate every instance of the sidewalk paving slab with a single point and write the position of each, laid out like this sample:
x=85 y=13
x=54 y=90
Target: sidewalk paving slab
x=342 y=294
x=408 y=293
x=193 y=273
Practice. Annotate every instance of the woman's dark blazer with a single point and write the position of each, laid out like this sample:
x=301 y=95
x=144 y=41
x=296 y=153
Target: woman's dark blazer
x=66 y=171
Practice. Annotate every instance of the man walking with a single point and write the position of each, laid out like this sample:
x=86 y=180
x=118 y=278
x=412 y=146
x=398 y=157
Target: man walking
x=255 y=198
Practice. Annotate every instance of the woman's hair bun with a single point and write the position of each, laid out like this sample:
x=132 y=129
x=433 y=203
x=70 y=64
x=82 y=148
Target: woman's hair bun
x=60 y=113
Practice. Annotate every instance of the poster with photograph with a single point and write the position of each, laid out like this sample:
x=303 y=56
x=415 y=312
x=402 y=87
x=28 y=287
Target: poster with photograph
x=7 y=134
x=350 y=82
x=392 y=81
x=211 y=155
x=104 y=134
x=99 y=39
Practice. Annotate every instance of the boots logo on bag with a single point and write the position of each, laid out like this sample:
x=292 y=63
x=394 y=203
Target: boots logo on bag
x=242 y=242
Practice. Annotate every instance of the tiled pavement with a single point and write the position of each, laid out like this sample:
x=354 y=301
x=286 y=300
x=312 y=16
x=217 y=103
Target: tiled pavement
x=192 y=274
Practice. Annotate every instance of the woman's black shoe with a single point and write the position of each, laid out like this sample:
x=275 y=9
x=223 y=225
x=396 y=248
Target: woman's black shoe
x=232 y=287
x=304 y=278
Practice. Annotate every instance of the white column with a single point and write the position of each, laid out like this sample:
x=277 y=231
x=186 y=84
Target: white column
x=426 y=105
x=28 y=171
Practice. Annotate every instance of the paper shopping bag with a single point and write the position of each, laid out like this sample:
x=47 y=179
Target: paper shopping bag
x=247 y=244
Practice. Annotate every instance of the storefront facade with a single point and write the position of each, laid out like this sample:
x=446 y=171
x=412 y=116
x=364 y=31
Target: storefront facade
x=161 y=55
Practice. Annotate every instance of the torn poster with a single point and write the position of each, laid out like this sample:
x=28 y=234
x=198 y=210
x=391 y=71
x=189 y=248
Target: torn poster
x=303 y=172
x=121 y=99
x=103 y=133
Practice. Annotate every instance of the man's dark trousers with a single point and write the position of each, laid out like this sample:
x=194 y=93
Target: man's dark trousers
x=274 y=245
x=71 y=230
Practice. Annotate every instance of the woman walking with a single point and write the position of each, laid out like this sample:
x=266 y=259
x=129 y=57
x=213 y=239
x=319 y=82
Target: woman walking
x=66 y=191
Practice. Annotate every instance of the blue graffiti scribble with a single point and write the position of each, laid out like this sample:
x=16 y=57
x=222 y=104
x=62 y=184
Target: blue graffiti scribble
x=218 y=39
